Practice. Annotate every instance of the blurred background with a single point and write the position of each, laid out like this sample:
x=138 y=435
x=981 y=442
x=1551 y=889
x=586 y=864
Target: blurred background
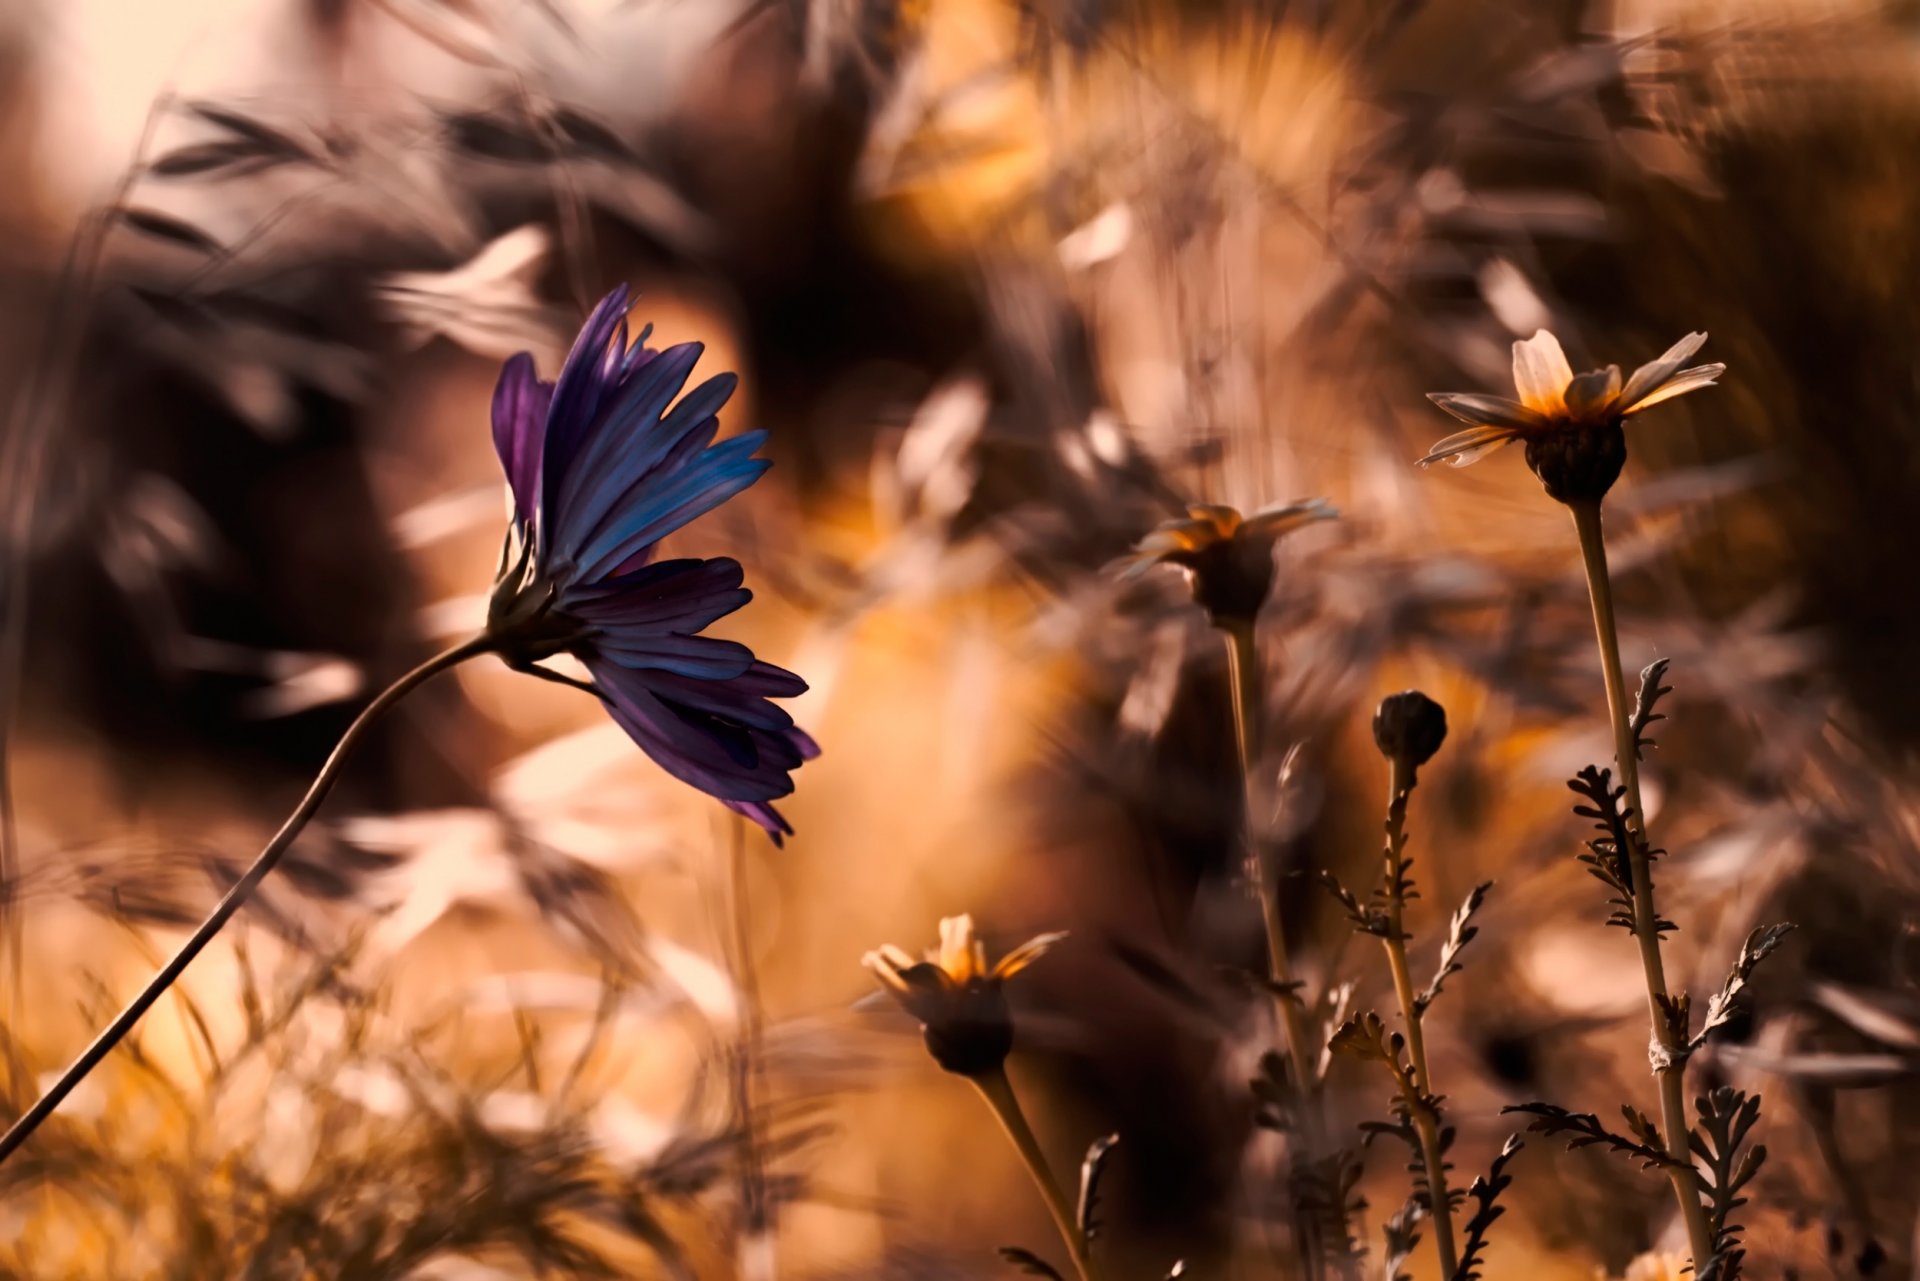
x=1008 y=281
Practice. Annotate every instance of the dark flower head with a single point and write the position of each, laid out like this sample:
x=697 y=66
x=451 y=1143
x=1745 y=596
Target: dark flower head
x=1571 y=426
x=603 y=464
x=1408 y=728
x=1228 y=557
x=958 y=998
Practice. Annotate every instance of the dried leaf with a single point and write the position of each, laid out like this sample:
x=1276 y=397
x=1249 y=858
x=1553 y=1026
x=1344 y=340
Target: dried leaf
x=1091 y=1168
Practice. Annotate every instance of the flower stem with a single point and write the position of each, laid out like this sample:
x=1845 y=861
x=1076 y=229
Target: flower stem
x=1244 y=672
x=1423 y=1114
x=1672 y=1060
x=103 y=1044
x=998 y=1092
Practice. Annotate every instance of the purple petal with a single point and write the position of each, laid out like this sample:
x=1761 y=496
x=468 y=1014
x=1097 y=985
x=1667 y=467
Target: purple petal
x=582 y=385
x=680 y=596
x=520 y=402
x=766 y=816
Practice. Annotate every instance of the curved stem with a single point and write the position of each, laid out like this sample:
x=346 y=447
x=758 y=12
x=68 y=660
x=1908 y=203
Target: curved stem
x=998 y=1092
x=1646 y=920
x=21 y=1130
x=1424 y=1115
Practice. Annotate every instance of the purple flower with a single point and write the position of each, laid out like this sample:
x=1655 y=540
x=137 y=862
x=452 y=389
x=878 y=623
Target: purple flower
x=604 y=464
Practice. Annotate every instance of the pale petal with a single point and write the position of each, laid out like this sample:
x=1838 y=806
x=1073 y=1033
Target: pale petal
x=1655 y=372
x=885 y=964
x=1487 y=411
x=1469 y=446
x=1589 y=393
x=1220 y=519
x=1272 y=522
x=1679 y=385
x=1541 y=373
x=956 y=947
x=1026 y=954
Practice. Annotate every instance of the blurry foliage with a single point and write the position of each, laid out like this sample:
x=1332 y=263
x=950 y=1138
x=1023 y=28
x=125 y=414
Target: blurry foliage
x=1014 y=281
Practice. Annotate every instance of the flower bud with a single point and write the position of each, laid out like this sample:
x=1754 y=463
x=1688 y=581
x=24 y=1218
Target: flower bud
x=1579 y=463
x=1408 y=728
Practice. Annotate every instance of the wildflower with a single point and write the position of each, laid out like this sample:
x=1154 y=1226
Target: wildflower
x=602 y=465
x=958 y=998
x=1408 y=728
x=1228 y=557
x=1571 y=426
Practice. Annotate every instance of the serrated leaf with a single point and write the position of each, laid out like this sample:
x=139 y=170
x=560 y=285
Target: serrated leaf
x=1485 y=1193
x=1459 y=933
x=1644 y=715
x=1759 y=945
x=1583 y=1129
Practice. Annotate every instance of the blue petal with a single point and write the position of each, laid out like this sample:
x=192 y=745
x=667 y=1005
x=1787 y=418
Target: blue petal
x=715 y=476
x=706 y=660
x=577 y=394
x=722 y=758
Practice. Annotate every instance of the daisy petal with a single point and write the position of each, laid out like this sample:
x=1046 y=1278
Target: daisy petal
x=1656 y=372
x=1589 y=395
x=1469 y=446
x=1679 y=385
x=1541 y=373
x=1272 y=522
x=1026 y=954
x=1488 y=411
x=520 y=402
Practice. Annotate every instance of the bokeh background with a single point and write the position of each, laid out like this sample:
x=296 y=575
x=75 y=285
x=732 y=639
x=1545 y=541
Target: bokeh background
x=1008 y=281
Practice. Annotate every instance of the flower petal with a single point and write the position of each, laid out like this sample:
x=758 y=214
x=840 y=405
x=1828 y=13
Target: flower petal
x=1589 y=394
x=520 y=402
x=681 y=596
x=769 y=818
x=664 y=501
x=1656 y=372
x=1541 y=373
x=1026 y=954
x=1488 y=411
x=706 y=659
x=1221 y=521
x=956 y=953
x=630 y=437
x=1469 y=446
x=583 y=381
x=717 y=735
x=1272 y=522
x=1679 y=385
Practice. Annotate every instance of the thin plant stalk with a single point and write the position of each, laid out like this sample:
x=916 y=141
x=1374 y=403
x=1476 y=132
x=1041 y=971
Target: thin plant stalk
x=756 y=1211
x=1425 y=1123
x=1244 y=673
x=103 y=1044
x=997 y=1090
x=1673 y=1113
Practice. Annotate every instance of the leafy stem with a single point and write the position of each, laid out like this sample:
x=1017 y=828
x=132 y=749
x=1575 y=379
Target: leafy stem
x=1670 y=1061
x=1423 y=1105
